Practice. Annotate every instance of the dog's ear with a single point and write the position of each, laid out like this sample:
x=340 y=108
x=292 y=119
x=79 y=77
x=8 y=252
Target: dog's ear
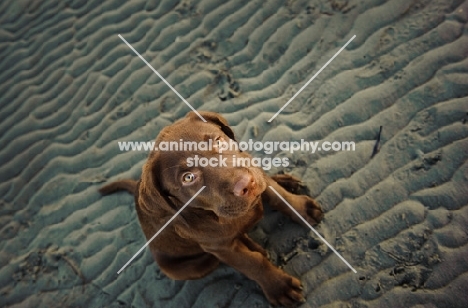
x=151 y=191
x=217 y=119
x=149 y=194
x=152 y=196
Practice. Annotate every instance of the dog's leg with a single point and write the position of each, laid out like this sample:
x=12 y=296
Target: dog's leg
x=252 y=245
x=186 y=268
x=307 y=207
x=279 y=287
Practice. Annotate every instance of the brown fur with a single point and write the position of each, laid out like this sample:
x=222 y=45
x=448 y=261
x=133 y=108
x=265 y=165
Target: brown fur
x=213 y=227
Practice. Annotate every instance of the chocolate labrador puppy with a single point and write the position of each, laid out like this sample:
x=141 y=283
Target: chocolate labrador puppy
x=213 y=227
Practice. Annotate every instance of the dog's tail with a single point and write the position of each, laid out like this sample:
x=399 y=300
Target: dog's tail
x=128 y=185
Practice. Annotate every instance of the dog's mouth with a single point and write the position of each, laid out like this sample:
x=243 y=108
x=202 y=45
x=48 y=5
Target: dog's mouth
x=239 y=209
x=251 y=199
x=232 y=213
x=256 y=199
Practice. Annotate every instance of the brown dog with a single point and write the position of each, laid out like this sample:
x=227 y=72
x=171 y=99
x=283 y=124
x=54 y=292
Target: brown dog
x=214 y=226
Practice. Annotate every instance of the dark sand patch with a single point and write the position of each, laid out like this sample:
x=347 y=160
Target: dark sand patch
x=70 y=88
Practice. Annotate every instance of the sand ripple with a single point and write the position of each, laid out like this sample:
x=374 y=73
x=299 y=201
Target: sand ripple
x=70 y=88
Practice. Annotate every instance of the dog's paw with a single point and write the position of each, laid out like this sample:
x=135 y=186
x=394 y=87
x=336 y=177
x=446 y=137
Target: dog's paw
x=308 y=208
x=283 y=290
x=314 y=211
x=288 y=182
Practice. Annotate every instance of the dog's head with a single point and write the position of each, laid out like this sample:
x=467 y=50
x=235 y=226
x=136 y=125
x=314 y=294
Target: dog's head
x=171 y=177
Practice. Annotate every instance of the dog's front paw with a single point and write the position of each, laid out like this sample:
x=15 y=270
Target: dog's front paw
x=288 y=182
x=283 y=289
x=314 y=211
x=308 y=208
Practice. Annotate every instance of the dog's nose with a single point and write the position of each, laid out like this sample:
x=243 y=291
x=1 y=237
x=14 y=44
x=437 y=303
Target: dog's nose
x=244 y=185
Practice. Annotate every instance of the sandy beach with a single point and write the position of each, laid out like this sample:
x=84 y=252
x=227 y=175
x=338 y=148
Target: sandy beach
x=396 y=209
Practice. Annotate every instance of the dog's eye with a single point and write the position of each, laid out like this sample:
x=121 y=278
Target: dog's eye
x=188 y=177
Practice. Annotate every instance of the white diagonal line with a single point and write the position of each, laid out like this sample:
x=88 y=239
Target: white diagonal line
x=162 y=78
x=310 y=80
x=315 y=231
x=160 y=230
